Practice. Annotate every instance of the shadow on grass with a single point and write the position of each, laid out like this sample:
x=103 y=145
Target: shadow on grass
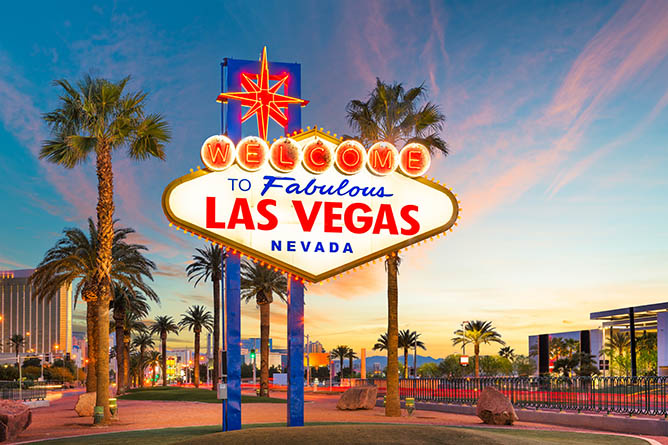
x=175 y=393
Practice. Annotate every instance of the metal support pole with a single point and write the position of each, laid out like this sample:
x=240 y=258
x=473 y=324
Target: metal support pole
x=295 y=353
x=632 y=326
x=233 y=312
x=308 y=361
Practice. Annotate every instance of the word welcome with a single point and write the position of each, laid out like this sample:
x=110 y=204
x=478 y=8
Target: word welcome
x=252 y=153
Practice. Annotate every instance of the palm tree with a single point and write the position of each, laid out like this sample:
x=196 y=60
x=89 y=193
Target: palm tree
x=616 y=345
x=164 y=325
x=350 y=355
x=207 y=265
x=409 y=339
x=557 y=348
x=261 y=283
x=99 y=116
x=393 y=114
x=73 y=258
x=195 y=319
x=381 y=343
x=340 y=352
x=16 y=342
x=153 y=360
x=571 y=346
x=143 y=340
x=507 y=352
x=477 y=332
x=128 y=307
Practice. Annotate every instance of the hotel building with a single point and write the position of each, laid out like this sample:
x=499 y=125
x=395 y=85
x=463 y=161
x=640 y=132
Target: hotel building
x=46 y=326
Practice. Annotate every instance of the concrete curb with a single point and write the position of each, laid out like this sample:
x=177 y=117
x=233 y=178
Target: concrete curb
x=599 y=422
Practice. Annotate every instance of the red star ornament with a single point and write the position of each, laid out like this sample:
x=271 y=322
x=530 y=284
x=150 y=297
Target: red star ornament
x=263 y=100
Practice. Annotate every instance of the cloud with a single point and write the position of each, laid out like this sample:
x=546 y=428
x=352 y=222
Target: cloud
x=7 y=262
x=170 y=270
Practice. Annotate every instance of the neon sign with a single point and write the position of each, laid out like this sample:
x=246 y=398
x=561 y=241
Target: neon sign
x=263 y=100
x=310 y=204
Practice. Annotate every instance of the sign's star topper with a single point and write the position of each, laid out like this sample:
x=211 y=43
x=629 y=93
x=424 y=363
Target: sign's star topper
x=263 y=100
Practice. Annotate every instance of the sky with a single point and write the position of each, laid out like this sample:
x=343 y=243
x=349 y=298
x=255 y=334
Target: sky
x=556 y=121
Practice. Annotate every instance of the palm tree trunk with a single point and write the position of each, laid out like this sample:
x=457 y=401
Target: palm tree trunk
x=405 y=362
x=105 y=236
x=341 y=366
x=163 y=359
x=476 y=351
x=196 y=360
x=126 y=359
x=392 y=405
x=264 y=349
x=350 y=362
x=216 y=329
x=119 y=321
x=142 y=352
x=91 y=316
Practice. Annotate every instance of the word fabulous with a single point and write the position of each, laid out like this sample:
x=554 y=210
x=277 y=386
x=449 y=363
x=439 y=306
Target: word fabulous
x=349 y=157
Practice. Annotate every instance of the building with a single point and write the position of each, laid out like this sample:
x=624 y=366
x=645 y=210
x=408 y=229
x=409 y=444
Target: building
x=254 y=343
x=315 y=347
x=46 y=326
x=634 y=321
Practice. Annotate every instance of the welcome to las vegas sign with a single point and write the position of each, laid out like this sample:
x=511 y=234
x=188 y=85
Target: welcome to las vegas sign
x=311 y=204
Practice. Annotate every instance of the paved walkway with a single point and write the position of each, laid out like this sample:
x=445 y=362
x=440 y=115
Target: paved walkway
x=60 y=420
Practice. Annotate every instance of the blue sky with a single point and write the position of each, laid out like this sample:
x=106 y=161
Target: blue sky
x=556 y=119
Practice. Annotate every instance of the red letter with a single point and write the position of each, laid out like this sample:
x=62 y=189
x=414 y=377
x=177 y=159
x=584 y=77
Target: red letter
x=307 y=221
x=330 y=217
x=366 y=220
x=211 y=222
x=241 y=207
x=406 y=215
x=385 y=213
x=272 y=221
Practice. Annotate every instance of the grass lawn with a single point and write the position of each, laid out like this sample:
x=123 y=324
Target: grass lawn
x=174 y=393
x=382 y=434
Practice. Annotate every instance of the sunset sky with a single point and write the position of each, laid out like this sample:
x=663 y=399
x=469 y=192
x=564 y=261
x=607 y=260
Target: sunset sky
x=557 y=122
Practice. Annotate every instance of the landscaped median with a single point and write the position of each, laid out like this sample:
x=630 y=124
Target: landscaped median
x=178 y=394
x=349 y=433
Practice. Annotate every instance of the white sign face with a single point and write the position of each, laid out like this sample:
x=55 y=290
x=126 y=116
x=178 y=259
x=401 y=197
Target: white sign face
x=312 y=225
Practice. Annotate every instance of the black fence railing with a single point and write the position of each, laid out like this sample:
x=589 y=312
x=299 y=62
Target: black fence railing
x=623 y=395
x=23 y=394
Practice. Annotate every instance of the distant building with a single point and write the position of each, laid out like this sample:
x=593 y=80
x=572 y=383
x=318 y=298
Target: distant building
x=314 y=346
x=46 y=326
x=254 y=343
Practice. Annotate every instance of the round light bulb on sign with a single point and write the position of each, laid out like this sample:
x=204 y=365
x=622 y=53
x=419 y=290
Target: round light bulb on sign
x=252 y=153
x=382 y=158
x=414 y=159
x=350 y=157
x=284 y=155
x=317 y=157
x=218 y=152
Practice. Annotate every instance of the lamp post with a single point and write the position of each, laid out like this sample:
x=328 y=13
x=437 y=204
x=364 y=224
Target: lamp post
x=308 y=361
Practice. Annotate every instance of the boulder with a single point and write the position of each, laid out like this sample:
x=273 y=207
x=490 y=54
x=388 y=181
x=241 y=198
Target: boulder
x=361 y=397
x=15 y=417
x=86 y=404
x=494 y=408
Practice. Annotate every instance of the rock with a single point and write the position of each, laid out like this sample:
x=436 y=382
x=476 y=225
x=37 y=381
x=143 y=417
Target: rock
x=15 y=417
x=86 y=404
x=494 y=408
x=361 y=397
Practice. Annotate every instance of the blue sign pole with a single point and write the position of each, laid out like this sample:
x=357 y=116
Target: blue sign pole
x=295 y=352
x=233 y=311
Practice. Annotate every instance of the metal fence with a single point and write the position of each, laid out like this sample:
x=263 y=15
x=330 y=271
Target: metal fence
x=623 y=395
x=23 y=394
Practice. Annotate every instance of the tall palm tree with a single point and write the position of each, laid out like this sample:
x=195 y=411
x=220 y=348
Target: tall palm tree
x=16 y=342
x=477 y=332
x=381 y=343
x=164 y=325
x=617 y=344
x=153 y=359
x=393 y=114
x=195 y=319
x=557 y=348
x=99 y=116
x=340 y=352
x=73 y=258
x=350 y=355
x=507 y=352
x=127 y=307
x=407 y=340
x=260 y=283
x=207 y=265
x=143 y=340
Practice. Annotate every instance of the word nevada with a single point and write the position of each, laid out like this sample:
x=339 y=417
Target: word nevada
x=252 y=153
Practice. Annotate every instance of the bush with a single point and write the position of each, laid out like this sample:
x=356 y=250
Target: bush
x=9 y=372
x=58 y=373
x=32 y=372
